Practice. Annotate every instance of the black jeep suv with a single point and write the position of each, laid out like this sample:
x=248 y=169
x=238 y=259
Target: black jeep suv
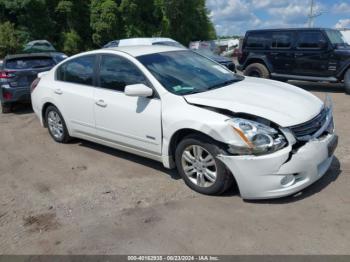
x=311 y=54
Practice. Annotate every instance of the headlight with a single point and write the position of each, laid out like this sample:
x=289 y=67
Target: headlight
x=259 y=138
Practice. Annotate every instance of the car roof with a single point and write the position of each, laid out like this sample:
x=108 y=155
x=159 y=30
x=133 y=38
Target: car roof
x=144 y=40
x=290 y=29
x=144 y=49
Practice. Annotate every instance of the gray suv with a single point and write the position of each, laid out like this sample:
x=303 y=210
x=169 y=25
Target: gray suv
x=19 y=71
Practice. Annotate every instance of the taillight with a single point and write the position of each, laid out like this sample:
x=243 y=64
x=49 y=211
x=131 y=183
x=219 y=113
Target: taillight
x=7 y=74
x=7 y=95
x=34 y=84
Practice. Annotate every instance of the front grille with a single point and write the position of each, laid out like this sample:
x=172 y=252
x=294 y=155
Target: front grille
x=304 y=131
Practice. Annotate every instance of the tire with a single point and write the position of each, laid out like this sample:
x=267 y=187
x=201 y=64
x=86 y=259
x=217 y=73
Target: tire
x=6 y=108
x=257 y=70
x=204 y=181
x=56 y=125
x=347 y=81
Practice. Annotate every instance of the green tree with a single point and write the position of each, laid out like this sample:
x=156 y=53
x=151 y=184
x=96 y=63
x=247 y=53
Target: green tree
x=10 y=41
x=105 y=21
x=141 y=18
x=188 y=20
x=78 y=25
x=72 y=42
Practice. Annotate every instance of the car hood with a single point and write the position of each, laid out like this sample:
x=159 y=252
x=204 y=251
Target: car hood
x=284 y=104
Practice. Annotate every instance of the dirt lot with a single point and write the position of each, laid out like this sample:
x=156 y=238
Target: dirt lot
x=83 y=198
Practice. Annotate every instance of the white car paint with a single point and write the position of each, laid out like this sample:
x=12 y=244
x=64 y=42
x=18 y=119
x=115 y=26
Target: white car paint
x=146 y=126
x=146 y=41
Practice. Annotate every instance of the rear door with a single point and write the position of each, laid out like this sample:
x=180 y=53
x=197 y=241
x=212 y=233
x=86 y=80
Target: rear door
x=73 y=92
x=312 y=54
x=25 y=69
x=281 y=55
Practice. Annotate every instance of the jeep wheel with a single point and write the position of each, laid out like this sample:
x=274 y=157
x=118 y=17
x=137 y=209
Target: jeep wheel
x=257 y=70
x=347 y=81
x=6 y=108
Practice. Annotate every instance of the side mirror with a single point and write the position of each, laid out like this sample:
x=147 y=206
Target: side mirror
x=139 y=90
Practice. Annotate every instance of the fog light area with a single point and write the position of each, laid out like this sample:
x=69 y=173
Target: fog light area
x=288 y=180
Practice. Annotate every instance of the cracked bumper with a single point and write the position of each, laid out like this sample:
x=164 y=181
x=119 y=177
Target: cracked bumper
x=263 y=177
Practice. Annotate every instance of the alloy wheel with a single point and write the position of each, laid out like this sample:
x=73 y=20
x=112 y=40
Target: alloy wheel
x=55 y=124
x=199 y=166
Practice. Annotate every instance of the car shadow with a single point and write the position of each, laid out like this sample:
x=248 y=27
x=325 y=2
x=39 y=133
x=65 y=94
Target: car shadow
x=331 y=175
x=319 y=86
x=22 y=108
x=172 y=173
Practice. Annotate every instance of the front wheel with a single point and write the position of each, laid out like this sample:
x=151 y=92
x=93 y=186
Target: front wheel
x=197 y=163
x=56 y=125
x=347 y=81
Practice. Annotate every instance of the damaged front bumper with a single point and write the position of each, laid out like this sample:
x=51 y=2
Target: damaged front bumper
x=284 y=172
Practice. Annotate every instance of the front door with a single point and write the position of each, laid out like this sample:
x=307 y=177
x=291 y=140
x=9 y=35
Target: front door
x=129 y=122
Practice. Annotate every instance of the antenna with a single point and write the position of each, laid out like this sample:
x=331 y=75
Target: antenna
x=312 y=15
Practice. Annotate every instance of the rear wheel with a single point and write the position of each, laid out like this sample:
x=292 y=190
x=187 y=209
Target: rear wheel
x=347 y=81
x=6 y=108
x=197 y=163
x=257 y=70
x=56 y=125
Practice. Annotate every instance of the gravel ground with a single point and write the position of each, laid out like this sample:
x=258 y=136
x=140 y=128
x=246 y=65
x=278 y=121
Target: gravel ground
x=83 y=198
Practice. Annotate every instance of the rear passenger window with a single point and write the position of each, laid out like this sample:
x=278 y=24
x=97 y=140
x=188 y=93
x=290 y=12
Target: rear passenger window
x=79 y=70
x=281 y=40
x=257 y=40
x=116 y=72
x=310 y=40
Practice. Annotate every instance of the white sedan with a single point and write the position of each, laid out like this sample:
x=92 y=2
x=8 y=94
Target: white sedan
x=186 y=111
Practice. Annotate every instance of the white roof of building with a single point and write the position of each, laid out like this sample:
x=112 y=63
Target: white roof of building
x=346 y=34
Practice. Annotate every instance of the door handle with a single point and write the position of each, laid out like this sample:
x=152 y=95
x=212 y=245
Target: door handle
x=58 y=91
x=298 y=54
x=275 y=53
x=101 y=103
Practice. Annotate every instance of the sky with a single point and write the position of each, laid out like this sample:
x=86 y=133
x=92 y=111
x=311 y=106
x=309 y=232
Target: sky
x=235 y=17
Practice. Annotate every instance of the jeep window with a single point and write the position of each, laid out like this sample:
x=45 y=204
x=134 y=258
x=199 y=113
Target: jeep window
x=336 y=38
x=185 y=72
x=257 y=40
x=281 y=40
x=310 y=40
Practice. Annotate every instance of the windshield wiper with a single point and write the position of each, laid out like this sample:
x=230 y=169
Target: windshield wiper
x=223 y=84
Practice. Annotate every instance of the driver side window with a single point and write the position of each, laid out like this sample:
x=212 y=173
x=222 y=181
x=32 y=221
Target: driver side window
x=117 y=72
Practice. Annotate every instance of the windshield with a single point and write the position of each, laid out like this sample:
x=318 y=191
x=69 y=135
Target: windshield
x=185 y=72
x=336 y=37
x=205 y=52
